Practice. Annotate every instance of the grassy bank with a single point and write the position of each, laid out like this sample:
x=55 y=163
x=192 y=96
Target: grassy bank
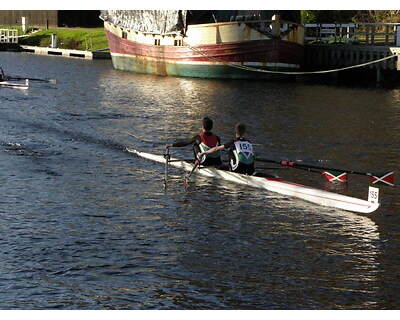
x=77 y=38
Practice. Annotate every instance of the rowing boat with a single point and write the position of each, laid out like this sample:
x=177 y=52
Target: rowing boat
x=317 y=196
x=13 y=85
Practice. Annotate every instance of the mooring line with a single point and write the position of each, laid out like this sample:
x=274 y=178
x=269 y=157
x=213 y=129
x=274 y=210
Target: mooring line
x=239 y=66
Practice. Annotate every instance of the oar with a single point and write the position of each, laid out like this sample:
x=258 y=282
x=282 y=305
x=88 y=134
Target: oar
x=54 y=81
x=167 y=159
x=181 y=160
x=186 y=179
x=196 y=165
x=376 y=177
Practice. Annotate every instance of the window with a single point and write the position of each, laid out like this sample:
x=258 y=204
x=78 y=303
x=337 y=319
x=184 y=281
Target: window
x=124 y=35
x=177 y=43
x=157 y=42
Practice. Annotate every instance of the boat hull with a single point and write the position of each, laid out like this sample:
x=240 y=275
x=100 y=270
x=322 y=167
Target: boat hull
x=217 y=60
x=317 y=196
x=210 y=70
x=6 y=84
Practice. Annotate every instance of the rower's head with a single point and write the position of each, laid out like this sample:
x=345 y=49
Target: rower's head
x=207 y=124
x=240 y=130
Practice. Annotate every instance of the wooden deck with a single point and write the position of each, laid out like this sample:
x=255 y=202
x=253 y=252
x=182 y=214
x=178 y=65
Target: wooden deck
x=332 y=56
x=334 y=46
x=66 y=52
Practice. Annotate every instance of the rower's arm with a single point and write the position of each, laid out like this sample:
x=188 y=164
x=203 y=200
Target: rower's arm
x=183 y=143
x=215 y=149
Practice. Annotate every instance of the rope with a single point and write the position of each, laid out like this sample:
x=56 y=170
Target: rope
x=239 y=66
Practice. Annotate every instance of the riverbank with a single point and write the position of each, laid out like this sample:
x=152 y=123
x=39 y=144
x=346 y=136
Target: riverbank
x=88 y=39
x=77 y=42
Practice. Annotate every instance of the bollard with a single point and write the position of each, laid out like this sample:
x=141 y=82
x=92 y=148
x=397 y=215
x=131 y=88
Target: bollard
x=276 y=25
x=23 y=24
x=379 y=75
x=54 y=41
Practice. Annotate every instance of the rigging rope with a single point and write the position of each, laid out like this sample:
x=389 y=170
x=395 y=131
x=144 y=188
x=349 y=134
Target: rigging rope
x=240 y=66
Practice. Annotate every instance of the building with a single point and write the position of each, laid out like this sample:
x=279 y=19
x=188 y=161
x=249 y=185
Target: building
x=51 y=18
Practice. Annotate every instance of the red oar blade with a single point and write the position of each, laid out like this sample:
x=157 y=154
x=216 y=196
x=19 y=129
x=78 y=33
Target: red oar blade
x=383 y=178
x=334 y=176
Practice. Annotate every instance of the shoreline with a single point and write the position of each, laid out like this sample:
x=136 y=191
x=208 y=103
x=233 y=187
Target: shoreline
x=68 y=53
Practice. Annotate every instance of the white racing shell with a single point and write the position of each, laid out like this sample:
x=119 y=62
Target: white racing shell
x=317 y=196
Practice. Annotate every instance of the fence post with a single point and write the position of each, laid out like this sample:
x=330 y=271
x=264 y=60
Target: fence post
x=23 y=23
x=398 y=36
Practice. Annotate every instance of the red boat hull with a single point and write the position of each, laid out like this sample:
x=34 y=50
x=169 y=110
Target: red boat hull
x=207 y=61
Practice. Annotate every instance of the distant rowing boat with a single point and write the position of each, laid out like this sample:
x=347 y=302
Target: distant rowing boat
x=317 y=196
x=13 y=85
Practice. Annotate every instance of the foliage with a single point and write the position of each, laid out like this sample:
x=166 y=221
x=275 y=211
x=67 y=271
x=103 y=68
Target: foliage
x=327 y=16
x=377 y=16
x=345 y=16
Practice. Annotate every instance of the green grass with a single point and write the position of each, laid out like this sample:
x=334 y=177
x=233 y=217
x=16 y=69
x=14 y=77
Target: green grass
x=78 y=38
x=20 y=32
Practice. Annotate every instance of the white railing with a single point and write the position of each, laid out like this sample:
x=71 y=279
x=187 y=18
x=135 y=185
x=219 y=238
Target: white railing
x=8 y=36
x=367 y=33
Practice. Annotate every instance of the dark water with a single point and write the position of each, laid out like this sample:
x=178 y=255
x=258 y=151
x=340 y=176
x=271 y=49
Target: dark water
x=85 y=225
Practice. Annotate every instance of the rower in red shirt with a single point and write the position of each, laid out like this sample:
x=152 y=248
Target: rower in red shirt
x=201 y=143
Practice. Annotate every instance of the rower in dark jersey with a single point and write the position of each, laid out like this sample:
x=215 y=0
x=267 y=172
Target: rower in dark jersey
x=203 y=142
x=240 y=151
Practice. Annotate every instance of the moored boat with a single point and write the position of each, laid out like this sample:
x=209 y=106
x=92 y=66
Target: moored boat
x=208 y=44
x=314 y=195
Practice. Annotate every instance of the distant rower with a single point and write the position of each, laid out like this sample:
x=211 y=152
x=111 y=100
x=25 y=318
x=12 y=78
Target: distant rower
x=203 y=142
x=240 y=151
x=2 y=75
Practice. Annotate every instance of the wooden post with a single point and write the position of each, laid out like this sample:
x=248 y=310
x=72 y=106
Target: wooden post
x=379 y=74
x=23 y=24
x=387 y=35
x=276 y=25
x=372 y=34
x=398 y=36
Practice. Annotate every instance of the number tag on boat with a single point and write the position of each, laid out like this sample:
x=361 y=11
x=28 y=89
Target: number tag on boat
x=373 y=195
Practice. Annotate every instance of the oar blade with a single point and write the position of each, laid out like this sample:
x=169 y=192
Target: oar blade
x=386 y=178
x=186 y=179
x=335 y=176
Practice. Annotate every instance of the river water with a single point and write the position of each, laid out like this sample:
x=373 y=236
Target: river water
x=86 y=225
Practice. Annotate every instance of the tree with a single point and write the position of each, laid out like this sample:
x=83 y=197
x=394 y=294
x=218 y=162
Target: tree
x=327 y=16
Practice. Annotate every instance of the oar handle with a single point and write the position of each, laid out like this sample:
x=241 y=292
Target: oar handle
x=33 y=79
x=167 y=156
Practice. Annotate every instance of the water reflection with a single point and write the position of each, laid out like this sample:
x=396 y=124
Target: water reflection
x=93 y=228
